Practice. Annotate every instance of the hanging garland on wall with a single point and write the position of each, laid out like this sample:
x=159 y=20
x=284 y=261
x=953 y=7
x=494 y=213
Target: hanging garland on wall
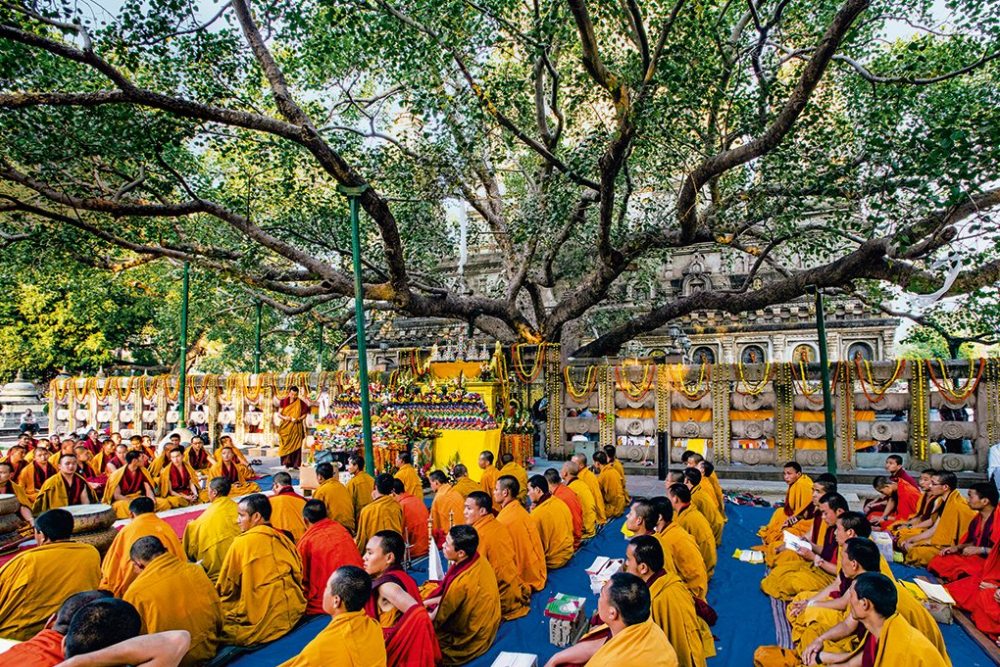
x=700 y=388
x=784 y=413
x=878 y=391
x=589 y=383
x=721 y=430
x=918 y=412
x=753 y=389
x=638 y=392
x=953 y=393
x=517 y=361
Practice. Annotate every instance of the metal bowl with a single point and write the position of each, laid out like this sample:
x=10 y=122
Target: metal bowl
x=8 y=504
x=99 y=539
x=90 y=518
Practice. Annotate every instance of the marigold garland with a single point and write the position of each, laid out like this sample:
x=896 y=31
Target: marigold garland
x=518 y=363
x=701 y=387
x=954 y=394
x=147 y=386
x=589 y=383
x=116 y=385
x=639 y=393
x=172 y=394
x=880 y=391
x=79 y=394
x=757 y=389
x=919 y=412
x=100 y=392
x=60 y=389
x=252 y=394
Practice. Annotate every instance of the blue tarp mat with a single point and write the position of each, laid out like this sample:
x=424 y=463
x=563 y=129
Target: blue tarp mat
x=745 y=619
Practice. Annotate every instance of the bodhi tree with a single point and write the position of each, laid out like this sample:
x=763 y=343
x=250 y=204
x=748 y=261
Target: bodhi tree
x=847 y=144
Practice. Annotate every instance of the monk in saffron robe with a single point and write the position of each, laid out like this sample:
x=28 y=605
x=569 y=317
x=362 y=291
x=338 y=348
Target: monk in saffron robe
x=383 y=513
x=495 y=546
x=238 y=475
x=463 y=485
x=679 y=547
x=885 y=506
x=923 y=517
x=527 y=543
x=67 y=487
x=588 y=504
x=508 y=466
x=117 y=573
x=260 y=583
x=490 y=474
x=710 y=478
x=179 y=482
x=954 y=520
x=612 y=453
x=172 y=594
x=335 y=496
x=612 y=490
x=227 y=441
x=968 y=557
x=415 y=518
x=46 y=648
x=691 y=520
x=325 y=546
x=197 y=456
x=35 y=474
x=553 y=521
x=797 y=509
x=292 y=412
x=902 y=500
x=361 y=485
x=446 y=508
x=160 y=462
x=408 y=475
x=352 y=638
x=587 y=476
x=207 y=539
x=8 y=487
x=980 y=595
x=35 y=583
x=395 y=603
x=465 y=607
x=286 y=507
x=629 y=636
x=15 y=457
x=704 y=499
x=562 y=492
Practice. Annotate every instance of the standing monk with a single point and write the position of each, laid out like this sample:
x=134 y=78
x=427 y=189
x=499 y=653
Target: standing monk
x=415 y=516
x=495 y=546
x=447 y=507
x=67 y=487
x=117 y=573
x=553 y=521
x=286 y=507
x=260 y=584
x=361 y=485
x=490 y=473
x=207 y=539
x=407 y=474
x=335 y=496
x=383 y=513
x=325 y=547
x=292 y=411
x=524 y=535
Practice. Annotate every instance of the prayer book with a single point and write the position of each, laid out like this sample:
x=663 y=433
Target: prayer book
x=749 y=556
x=935 y=592
x=794 y=542
x=508 y=659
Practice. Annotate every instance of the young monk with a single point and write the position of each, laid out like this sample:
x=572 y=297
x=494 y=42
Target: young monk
x=325 y=546
x=508 y=466
x=395 y=604
x=260 y=584
x=336 y=497
x=465 y=607
x=352 y=637
x=677 y=543
x=197 y=456
x=496 y=547
x=980 y=595
x=415 y=516
x=36 y=473
x=15 y=457
x=463 y=484
x=490 y=474
x=612 y=453
x=820 y=534
x=955 y=516
x=9 y=487
x=408 y=475
x=128 y=483
x=383 y=513
x=884 y=505
x=160 y=577
x=207 y=539
x=610 y=482
x=901 y=500
x=562 y=492
x=797 y=508
x=34 y=583
x=46 y=648
x=117 y=572
x=703 y=498
x=68 y=487
x=588 y=503
x=286 y=508
x=553 y=522
x=238 y=475
x=179 y=482
x=690 y=519
x=361 y=485
x=528 y=549
x=968 y=557
x=587 y=476
x=446 y=508
x=923 y=517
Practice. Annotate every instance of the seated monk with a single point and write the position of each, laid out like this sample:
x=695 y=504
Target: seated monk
x=408 y=475
x=953 y=520
x=837 y=631
x=35 y=582
x=508 y=466
x=86 y=467
x=286 y=508
x=928 y=509
x=798 y=507
x=465 y=607
x=9 y=487
x=154 y=594
x=708 y=476
x=46 y=648
x=704 y=499
x=260 y=584
x=690 y=519
x=352 y=638
x=383 y=513
x=490 y=474
x=360 y=486
x=446 y=508
x=325 y=546
x=562 y=492
x=612 y=453
x=884 y=505
x=980 y=595
x=671 y=604
x=163 y=460
x=495 y=546
x=116 y=460
x=207 y=538
x=238 y=475
x=588 y=503
x=36 y=473
x=553 y=521
x=612 y=489
x=527 y=543
x=227 y=441
x=179 y=486
x=117 y=572
x=815 y=566
x=335 y=496
x=197 y=456
x=681 y=549
x=15 y=457
x=106 y=632
x=968 y=557
x=624 y=606
x=416 y=534
x=67 y=487
x=901 y=500
x=395 y=603
x=463 y=484
x=587 y=476
x=65 y=447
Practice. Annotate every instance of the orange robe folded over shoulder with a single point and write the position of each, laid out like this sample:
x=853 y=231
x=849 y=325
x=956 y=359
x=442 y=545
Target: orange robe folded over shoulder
x=117 y=573
x=337 y=499
x=900 y=643
x=640 y=644
x=495 y=546
x=207 y=538
x=554 y=523
x=325 y=546
x=563 y=493
x=351 y=639
x=527 y=543
x=384 y=513
x=798 y=502
x=468 y=615
x=446 y=511
x=286 y=512
x=410 y=640
x=956 y=515
x=415 y=531
x=672 y=609
x=410 y=478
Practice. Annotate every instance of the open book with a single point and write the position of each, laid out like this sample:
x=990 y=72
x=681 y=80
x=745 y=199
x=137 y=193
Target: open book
x=935 y=592
x=794 y=542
